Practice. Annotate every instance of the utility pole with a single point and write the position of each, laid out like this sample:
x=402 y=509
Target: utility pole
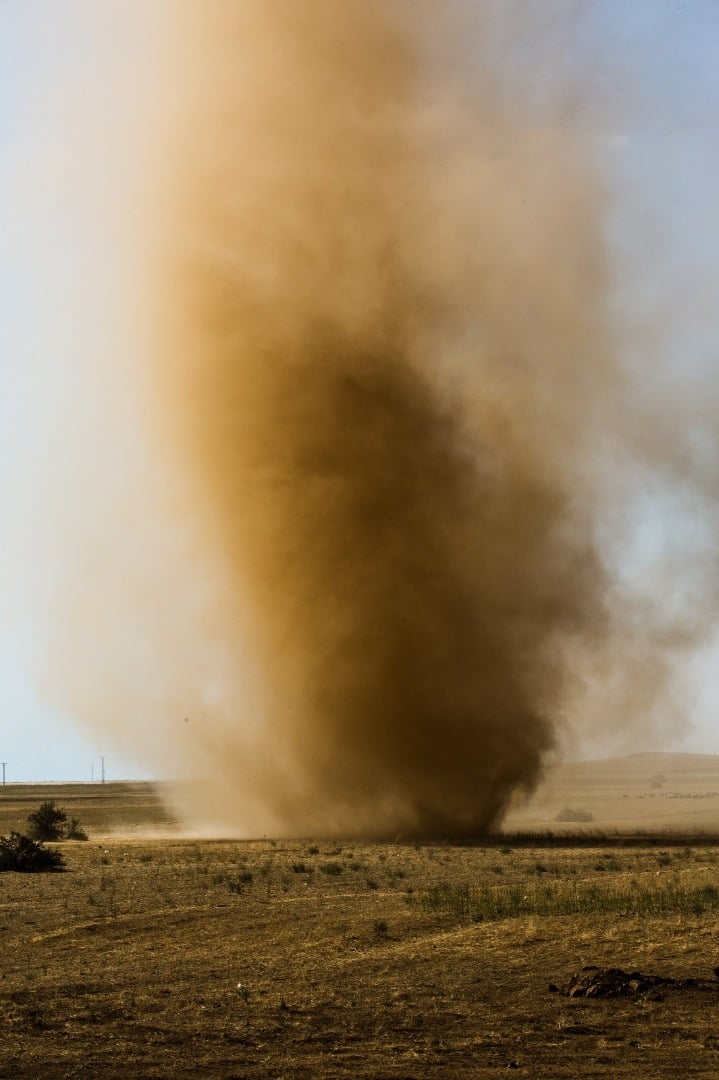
x=92 y=773
x=102 y=759
x=3 y=763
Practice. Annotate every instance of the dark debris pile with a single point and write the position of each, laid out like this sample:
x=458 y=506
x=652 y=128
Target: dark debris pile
x=596 y=982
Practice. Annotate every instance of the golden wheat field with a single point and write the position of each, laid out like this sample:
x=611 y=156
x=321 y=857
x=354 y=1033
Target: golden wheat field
x=160 y=955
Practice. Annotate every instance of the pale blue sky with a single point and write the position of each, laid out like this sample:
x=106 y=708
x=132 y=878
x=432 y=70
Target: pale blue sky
x=73 y=84
x=63 y=124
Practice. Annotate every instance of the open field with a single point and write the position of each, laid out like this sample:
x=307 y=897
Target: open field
x=103 y=808
x=640 y=792
x=179 y=957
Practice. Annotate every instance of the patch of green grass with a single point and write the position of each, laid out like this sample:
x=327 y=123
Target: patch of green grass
x=334 y=869
x=490 y=903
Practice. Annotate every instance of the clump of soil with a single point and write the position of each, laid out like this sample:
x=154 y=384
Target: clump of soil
x=596 y=982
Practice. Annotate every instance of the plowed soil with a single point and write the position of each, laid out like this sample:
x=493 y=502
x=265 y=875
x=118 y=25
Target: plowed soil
x=177 y=957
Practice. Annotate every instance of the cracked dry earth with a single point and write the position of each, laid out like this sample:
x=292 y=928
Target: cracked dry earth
x=254 y=960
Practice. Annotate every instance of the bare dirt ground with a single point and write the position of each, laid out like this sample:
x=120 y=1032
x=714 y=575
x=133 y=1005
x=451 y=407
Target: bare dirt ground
x=179 y=958
x=640 y=792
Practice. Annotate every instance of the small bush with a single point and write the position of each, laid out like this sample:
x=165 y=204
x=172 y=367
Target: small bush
x=380 y=928
x=334 y=869
x=47 y=822
x=27 y=856
x=74 y=831
x=569 y=813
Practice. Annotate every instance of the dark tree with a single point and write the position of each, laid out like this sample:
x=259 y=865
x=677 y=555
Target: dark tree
x=47 y=822
x=28 y=856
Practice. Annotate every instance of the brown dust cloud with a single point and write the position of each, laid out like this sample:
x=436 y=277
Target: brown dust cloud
x=387 y=316
x=383 y=361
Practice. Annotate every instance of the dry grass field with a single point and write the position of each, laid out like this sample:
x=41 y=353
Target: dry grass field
x=176 y=957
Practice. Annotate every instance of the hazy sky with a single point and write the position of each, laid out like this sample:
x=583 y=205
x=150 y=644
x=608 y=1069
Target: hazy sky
x=80 y=97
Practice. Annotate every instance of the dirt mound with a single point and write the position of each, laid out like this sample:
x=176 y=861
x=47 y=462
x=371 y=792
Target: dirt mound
x=596 y=982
